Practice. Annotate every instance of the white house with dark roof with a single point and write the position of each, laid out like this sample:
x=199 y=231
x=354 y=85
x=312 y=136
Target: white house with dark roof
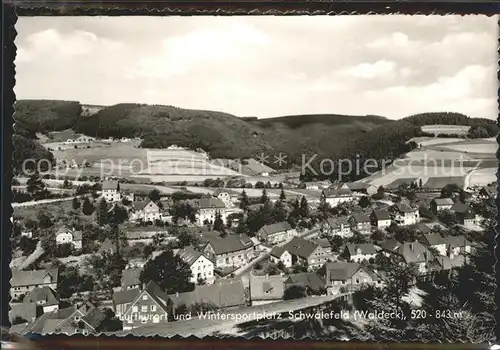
x=149 y=210
x=72 y=236
x=202 y=268
x=208 y=208
x=411 y=252
x=405 y=214
x=342 y=276
x=359 y=252
x=150 y=305
x=361 y=223
x=276 y=233
x=338 y=226
x=111 y=191
x=231 y=251
x=464 y=214
x=381 y=219
x=436 y=241
x=45 y=297
x=439 y=204
x=279 y=253
x=23 y=282
x=302 y=250
x=457 y=245
x=336 y=194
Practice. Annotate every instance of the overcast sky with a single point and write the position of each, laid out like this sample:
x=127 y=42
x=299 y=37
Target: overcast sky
x=393 y=66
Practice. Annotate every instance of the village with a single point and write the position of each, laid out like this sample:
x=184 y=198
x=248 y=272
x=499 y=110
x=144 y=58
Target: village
x=111 y=259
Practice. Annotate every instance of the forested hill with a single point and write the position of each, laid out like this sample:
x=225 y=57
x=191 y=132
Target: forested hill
x=46 y=115
x=224 y=135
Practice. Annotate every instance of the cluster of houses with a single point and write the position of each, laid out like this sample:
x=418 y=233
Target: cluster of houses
x=36 y=304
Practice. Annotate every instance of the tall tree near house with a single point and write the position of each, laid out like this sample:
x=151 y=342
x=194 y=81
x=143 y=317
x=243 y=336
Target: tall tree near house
x=420 y=184
x=218 y=223
x=304 y=207
x=244 y=201
x=282 y=195
x=87 y=207
x=154 y=195
x=279 y=211
x=364 y=202
x=169 y=271
x=264 y=198
x=397 y=283
x=36 y=187
x=324 y=207
x=45 y=219
x=102 y=213
x=75 y=203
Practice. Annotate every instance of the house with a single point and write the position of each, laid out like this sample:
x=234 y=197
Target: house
x=266 y=289
x=380 y=219
x=447 y=265
x=336 y=194
x=436 y=241
x=410 y=252
x=405 y=215
x=151 y=305
x=111 y=191
x=28 y=234
x=207 y=209
x=279 y=253
x=82 y=319
x=65 y=235
x=311 y=185
x=276 y=233
x=337 y=227
x=457 y=245
x=303 y=251
x=149 y=211
x=130 y=278
x=361 y=223
x=362 y=187
x=23 y=282
x=231 y=251
x=84 y=139
x=438 y=204
x=359 y=252
x=201 y=267
x=45 y=297
x=311 y=281
x=464 y=214
x=225 y=197
x=222 y=295
x=324 y=244
x=341 y=277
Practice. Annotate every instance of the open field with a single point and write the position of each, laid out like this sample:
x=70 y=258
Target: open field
x=446 y=129
x=396 y=183
x=440 y=161
x=482 y=177
x=474 y=147
x=430 y=141
x=440 y=182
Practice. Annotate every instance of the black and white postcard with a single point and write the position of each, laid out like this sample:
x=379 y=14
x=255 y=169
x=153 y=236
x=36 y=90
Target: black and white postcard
x=282 y=177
